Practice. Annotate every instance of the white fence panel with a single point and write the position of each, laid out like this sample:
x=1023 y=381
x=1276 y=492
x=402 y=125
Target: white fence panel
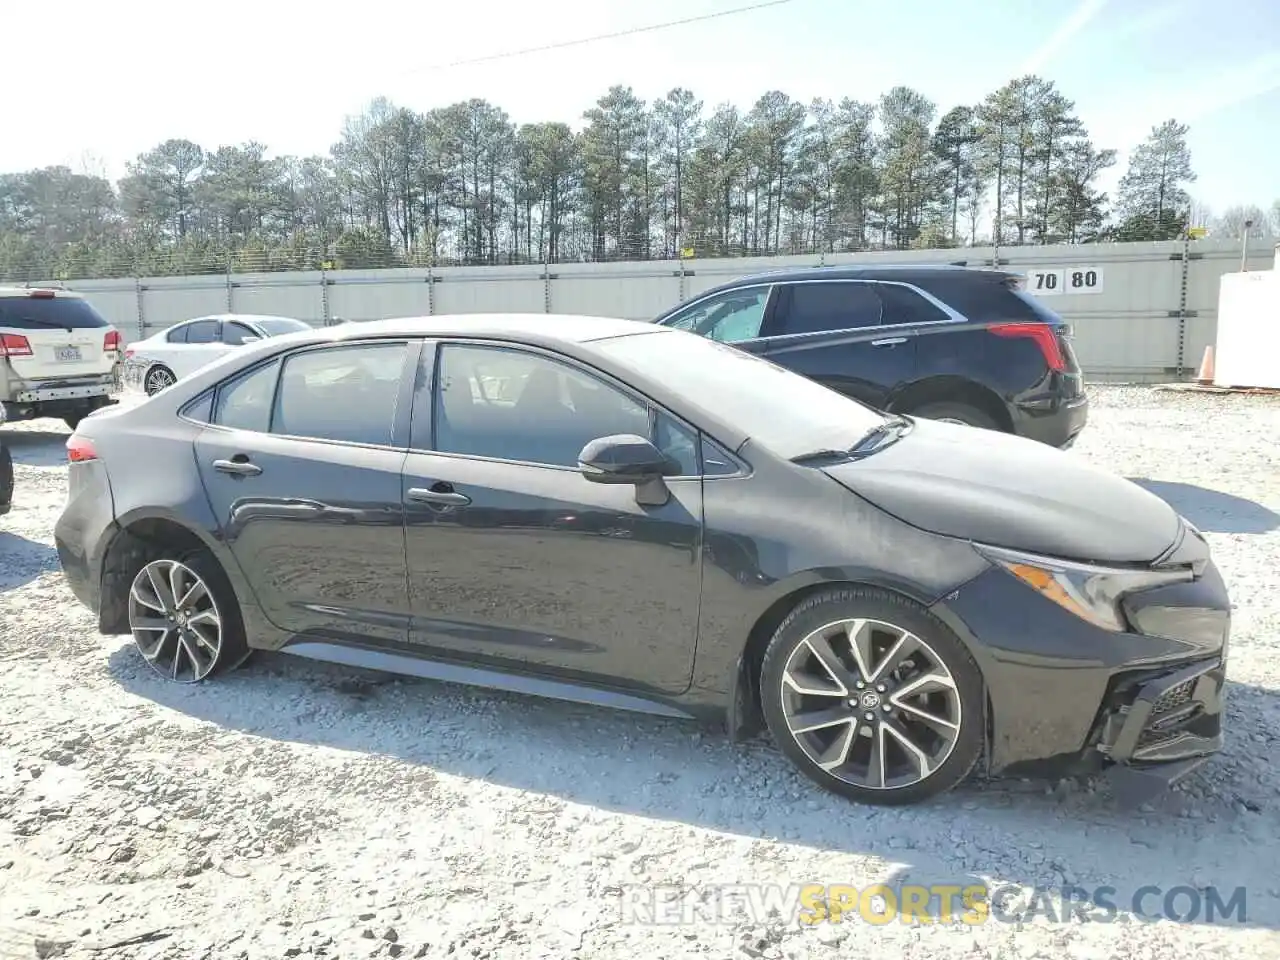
x=170 y=300
x=295 y=294
x=490 y=290
x=1124 y=300
x=377 y=294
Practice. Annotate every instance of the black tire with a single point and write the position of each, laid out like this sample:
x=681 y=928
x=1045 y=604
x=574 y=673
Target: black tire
x=6 y=478
x=151 y=380
x=953 y=763
x=232 y=648
x=954 y=410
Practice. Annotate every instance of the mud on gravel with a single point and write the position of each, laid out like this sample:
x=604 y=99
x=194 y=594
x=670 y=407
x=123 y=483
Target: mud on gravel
x=292 y=809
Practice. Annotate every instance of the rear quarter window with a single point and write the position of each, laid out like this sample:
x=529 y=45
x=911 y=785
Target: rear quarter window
x=51 y=313
x=991 y=301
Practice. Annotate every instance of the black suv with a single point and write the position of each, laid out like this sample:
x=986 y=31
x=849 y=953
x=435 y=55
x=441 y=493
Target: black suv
x=944 y=342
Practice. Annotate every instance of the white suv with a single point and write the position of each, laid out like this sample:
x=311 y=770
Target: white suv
x=58 y=356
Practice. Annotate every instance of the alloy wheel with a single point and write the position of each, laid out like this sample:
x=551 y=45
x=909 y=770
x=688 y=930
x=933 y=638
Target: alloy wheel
x=159 y=379
x=871 y=703
x=175 y=621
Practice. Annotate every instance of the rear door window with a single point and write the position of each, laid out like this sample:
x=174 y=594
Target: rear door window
x=49 y=313
x=203 y=331
x=822 y=306
x=902 y=305
x=245 y=402
x=235 y=333
x=347 y=394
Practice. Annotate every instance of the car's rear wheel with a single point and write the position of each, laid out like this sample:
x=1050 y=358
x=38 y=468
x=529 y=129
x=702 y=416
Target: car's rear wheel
x=158 y=378
x=872 y=697
x=184 y=617
x=953 y=411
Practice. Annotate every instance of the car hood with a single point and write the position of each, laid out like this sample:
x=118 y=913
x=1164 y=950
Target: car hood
x=1008 y=491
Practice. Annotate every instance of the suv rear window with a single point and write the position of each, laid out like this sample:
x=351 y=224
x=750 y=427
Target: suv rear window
x=982 y=299
x=49 y=313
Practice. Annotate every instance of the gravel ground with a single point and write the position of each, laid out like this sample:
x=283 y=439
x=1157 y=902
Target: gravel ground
x=293 y=809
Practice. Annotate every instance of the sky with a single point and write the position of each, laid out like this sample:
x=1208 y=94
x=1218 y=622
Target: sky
x=100 y=83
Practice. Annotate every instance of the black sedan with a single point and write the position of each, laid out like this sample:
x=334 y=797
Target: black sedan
x=628 y=515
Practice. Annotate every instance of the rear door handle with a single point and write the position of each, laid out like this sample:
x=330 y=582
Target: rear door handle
x=444 y=497
x=237 y=467
x=890 y=341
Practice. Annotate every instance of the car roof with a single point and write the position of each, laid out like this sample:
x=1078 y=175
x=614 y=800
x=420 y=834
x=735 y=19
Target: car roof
x=917 y=273
x=238 y=316
x=28 y=291
x=546 y=329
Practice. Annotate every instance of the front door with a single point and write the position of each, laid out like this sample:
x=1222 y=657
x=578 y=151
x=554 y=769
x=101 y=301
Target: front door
x=833 y=331
x=305 y=482
x=514 y=557
x=201 y=345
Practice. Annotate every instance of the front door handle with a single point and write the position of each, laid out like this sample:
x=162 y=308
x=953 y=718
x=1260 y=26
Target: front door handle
x=441 y=493
x=888 y=342
x=238 y=466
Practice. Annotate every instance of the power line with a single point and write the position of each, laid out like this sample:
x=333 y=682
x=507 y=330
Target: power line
x=606 y=36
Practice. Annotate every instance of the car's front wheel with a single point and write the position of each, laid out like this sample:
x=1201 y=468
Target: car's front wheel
x=184 y=617
x=872 y=697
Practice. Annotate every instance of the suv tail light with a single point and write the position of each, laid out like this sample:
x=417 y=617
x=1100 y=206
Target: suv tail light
x=80 y=449
x=12 y=345
x=1044 y=336
x=111 y=341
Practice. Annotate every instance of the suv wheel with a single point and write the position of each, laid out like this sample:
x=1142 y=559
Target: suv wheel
x=950 y=411
x=872 y=697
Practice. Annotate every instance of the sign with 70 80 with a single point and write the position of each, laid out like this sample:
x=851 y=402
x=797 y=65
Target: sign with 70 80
x=1059 y=280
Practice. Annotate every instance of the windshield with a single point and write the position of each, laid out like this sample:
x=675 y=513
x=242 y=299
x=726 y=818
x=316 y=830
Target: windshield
x=786 y=413
x=279 y=326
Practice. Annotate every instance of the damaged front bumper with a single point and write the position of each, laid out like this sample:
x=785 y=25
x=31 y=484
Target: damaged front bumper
x=1156 y=730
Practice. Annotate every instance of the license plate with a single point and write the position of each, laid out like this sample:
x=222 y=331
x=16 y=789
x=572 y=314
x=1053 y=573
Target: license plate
x=68 y=354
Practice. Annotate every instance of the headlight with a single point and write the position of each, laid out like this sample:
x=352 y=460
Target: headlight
x=1092 y=593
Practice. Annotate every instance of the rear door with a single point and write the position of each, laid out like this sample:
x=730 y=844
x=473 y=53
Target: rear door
x=302 y=465
x=51 y=336
x=834 y=331
x=203 y=344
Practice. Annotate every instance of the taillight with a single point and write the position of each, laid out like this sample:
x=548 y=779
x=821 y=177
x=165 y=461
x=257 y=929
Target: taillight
x=1044 y=336
x=80 y=449
x=42 y=294
x=13 y=345
x=111 y=341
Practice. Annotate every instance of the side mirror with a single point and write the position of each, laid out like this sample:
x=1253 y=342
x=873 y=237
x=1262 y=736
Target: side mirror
x=627 y=458
x=249 y=339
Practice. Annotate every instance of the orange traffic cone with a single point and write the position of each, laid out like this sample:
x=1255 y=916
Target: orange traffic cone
x=1205 y=374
